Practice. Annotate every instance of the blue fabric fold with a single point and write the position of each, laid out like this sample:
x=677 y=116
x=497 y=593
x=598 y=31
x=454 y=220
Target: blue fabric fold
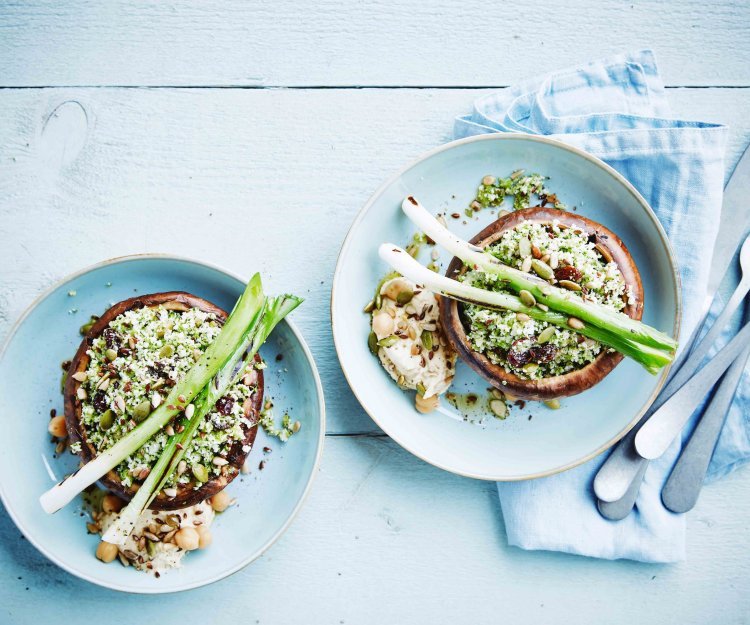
x=617 y=110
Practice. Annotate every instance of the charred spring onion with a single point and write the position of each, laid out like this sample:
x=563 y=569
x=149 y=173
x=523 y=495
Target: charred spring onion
x=560 y=300
x=233 y=333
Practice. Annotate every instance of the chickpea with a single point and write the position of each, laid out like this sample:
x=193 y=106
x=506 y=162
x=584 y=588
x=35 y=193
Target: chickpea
x=426 y=404
x=187 y=538
x=382 y=325
x=57 y=427
x=395 y=287
x=111 y=503
x=204 y=536
x=220 y=501
x=106 y=552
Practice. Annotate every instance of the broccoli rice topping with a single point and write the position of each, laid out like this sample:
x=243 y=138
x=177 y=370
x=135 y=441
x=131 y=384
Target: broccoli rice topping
x=520 y=344
x=134 y=364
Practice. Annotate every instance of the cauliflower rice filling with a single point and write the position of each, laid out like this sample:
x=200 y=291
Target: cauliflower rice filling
x=511 y=340
x=134 y=364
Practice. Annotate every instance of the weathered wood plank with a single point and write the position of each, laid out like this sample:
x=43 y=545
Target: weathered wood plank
x=202 y=172
x=385 y=538
x=439 y=42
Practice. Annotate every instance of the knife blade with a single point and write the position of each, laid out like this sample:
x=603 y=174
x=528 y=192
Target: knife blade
x=731 y=230
x=620 y=474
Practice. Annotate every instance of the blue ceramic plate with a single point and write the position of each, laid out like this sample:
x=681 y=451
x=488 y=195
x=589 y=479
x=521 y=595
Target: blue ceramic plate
x=30 y=372
x=533 y=441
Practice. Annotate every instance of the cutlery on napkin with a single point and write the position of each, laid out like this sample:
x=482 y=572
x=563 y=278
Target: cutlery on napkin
x=618 y=481
x=617 y=110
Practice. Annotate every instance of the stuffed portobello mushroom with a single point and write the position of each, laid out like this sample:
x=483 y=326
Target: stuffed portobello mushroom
x=530 y=358
x=125 y=367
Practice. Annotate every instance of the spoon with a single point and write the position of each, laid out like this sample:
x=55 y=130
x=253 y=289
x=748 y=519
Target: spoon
x=653 y=439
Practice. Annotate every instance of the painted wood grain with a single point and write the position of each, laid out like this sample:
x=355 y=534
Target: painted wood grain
x=385 y=538
x=90 y=174
x=334 y=42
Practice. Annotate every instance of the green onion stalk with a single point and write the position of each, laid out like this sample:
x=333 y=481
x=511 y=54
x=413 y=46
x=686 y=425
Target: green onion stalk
x=560 y=300
x=273 y=310
x=216 y=355
x=651 y=358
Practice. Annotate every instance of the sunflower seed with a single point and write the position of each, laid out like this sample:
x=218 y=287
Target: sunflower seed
x=526 y=264
x=524 y=247
x=575 y=323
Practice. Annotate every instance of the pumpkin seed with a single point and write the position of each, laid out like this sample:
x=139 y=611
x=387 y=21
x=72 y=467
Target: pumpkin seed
x=427 y=340
x=421 y=388
x=524 y=247
x=378 y=301
x=499 y=408
x=111 y=354
x=542 y=269
x=141 y=411
x=530 y=367
x=497 y=393
x=151 y=548
x=570 y=285
x=372 y=343
x=167 y=351
x=107 y=420
x=552 y=404
x=604 y=252
x=546 y=334
x=370 y=306
x=200 y=472
x=388 y=341
x=86 y=327
x=527 y=297
x=575 y=323
x=404 y=297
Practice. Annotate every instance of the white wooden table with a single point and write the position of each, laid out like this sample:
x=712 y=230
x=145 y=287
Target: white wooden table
x=248 y=125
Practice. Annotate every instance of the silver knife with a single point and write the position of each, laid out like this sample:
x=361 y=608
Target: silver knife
x=681 y=491
x=623 y=470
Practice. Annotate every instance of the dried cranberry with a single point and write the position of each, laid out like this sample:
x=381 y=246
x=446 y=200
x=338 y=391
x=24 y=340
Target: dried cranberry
x=111 y=338
x=100 y=401
x=224 y=405
x=158 y=369
x=568 y=273
x=543 y=353
x=123 y=351
x=517 y=356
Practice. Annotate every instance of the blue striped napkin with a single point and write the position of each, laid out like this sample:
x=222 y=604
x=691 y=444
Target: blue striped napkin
x=617 y=110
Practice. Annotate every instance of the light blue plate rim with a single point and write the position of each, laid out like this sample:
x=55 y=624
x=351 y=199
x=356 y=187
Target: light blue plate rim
x=314 y=469
x=511 y=137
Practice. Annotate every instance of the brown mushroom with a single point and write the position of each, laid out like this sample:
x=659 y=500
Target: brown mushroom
x=187 y=495
x=570 y=383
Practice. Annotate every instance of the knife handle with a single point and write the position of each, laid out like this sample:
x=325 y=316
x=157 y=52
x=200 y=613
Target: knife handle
x=653 y=439
x=684 y=484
